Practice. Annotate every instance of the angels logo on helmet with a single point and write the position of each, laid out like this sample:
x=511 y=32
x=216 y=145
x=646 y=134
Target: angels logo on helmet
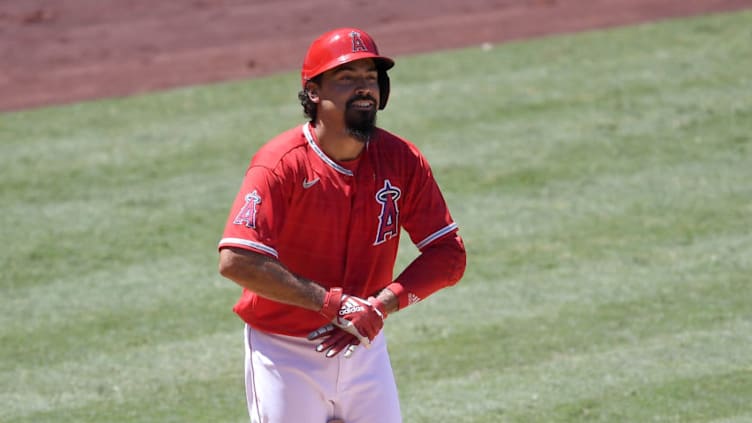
x=357 y=42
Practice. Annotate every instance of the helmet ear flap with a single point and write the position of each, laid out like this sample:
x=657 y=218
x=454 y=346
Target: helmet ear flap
x=383 y=80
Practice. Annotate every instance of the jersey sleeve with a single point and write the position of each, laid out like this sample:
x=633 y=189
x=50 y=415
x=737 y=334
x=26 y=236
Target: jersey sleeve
x=426 y=215
x=442 y=258
x=256 y=214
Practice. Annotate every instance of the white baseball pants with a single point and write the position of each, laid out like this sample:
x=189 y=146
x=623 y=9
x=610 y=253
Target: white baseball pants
x=287 y=381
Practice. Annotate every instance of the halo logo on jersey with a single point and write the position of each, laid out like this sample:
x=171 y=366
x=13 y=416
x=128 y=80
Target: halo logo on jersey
x=357 y=42
x=247 y=214
x=389 y=217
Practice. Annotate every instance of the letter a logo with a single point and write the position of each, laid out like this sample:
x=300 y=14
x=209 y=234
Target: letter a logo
x=247 y=214
x=389 y=217
x=357 y=42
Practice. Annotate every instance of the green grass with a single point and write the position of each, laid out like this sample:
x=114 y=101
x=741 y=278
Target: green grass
x=602 y=182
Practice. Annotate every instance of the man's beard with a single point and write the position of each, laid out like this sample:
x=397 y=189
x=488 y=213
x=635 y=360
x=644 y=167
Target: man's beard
x=360 y=123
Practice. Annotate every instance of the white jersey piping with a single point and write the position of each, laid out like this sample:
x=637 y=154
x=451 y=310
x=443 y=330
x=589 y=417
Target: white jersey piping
x=438 y=234
x=255 y=245
x=321 y=154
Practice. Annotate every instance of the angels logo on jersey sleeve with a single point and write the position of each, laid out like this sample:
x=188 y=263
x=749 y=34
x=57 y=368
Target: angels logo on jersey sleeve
x=247 y=214
x=389 y=217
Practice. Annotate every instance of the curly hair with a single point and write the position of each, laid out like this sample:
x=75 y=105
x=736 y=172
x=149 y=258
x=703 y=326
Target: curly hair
x=309 y=107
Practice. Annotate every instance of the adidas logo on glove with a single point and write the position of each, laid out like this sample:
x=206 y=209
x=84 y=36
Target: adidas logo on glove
x=350 y=307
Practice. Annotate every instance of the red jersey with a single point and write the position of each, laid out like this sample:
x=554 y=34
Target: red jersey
x=339 y=224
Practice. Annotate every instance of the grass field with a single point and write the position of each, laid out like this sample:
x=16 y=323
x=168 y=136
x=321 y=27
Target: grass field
x=602 y=182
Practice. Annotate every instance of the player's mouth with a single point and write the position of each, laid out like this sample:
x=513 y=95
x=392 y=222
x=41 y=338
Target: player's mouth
x=362 y=104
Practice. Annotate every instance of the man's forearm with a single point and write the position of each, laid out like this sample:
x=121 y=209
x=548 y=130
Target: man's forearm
x=438 y=266
x=389 y=299
x=268 y=278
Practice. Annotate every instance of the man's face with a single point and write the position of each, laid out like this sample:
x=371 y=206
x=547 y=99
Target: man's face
x=352 y=91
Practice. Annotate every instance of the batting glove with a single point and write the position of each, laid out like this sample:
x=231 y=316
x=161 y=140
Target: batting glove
x=361 y=318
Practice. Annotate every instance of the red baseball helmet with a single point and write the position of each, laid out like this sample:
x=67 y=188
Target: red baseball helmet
x=345 y=45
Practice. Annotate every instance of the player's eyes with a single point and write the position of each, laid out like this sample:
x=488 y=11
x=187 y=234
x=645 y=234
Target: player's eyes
x=351 y=78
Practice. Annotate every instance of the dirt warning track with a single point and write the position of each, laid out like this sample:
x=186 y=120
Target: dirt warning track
x=61 y=51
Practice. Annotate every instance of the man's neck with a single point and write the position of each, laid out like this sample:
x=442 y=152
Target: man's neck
x=338 y=144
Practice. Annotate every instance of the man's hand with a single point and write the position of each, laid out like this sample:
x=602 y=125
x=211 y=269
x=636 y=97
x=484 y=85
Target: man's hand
x=335 y=340
x=361 y=318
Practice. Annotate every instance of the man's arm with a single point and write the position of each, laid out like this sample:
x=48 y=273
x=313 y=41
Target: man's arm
x=389 y=299
x=440 y=264
x=268 y=278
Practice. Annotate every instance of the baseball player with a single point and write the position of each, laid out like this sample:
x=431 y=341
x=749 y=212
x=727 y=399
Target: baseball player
x=312 y=238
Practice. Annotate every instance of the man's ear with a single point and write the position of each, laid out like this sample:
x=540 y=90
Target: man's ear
x=312 y=91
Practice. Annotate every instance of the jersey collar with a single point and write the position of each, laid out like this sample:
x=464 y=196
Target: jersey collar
x=319 y=152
